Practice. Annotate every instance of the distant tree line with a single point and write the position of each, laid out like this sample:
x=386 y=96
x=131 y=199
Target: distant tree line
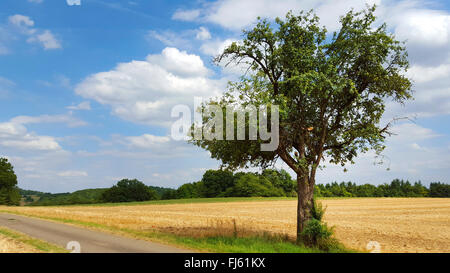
x=222 y=183
x=397 y=188
x=218 y=183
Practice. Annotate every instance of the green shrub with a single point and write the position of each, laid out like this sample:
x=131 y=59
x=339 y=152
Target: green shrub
x=316 y=233
x=317 y=210
x=315 y=230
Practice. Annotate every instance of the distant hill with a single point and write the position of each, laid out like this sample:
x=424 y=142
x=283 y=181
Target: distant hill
x=87 y=196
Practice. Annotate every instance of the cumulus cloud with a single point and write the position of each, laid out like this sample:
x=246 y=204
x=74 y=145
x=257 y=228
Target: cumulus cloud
x=236 y=14
x=425 y=30
x=33 y=142
x=14 y=134
x=145 y=91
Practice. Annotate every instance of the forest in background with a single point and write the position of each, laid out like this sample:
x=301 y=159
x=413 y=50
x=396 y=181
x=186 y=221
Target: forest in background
x=222 y=183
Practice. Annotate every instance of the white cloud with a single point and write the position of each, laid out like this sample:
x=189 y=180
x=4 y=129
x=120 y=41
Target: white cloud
x=423 y=74
x=36 y=1
x=25 y=25
x=215 y=47
x=73 y=174
x=33 y=142
x=85 y=105
x=412 y=132
x=169 y=38
x=179 y=63
x=13 y=134
x=67 y=119
x=414 y=153
x=8 y=129
x=146 y=140
x=425 y=30
x=186 y=15
x=21 y=21
x=145 y=91
x=237 y=14
x=423 y=27
x=73 y=2
x=203 y=34
x=46 y=39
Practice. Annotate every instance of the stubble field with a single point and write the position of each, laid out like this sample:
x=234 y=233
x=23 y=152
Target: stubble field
x=397 y=224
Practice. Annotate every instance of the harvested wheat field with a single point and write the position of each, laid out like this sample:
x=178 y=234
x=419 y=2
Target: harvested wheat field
x=398 y=224
x=9 y=245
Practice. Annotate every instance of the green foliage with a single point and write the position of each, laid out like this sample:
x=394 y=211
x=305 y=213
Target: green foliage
x=439 y=190
x=397 y=188
x=216 y=182
x=219 y=183
x=269 y=183
x=192 y=190
x=88 y=196
x=281 y=179
x=10 y=196
x=316 y=232
x=128 y=191
x=331 y=92
x=252 y=185
x=317 y=211
x=9 y=193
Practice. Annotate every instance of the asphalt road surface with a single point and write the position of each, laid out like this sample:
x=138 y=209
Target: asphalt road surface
x=80 y=239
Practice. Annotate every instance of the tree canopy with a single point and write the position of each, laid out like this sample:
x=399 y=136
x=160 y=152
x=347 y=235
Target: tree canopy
x=127 y=190
x=9 y=193
x=331 y=90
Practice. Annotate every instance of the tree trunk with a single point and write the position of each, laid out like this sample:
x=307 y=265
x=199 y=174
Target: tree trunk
x=305 y=203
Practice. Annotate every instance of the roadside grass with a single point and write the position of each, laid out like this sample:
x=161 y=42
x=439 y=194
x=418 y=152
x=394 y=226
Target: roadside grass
x=258 y=243
x=31 y=243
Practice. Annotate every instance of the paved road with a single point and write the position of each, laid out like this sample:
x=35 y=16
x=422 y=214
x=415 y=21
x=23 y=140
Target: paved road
x=89 y=241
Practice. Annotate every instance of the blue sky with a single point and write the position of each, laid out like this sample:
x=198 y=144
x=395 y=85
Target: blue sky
x=86 y=90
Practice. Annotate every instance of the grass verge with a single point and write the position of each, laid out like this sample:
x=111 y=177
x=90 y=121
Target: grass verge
x=38 y=245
